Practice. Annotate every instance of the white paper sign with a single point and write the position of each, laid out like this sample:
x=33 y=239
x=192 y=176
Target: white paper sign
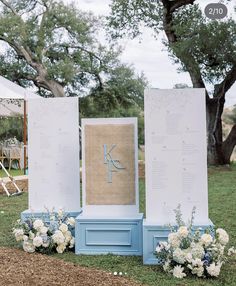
x=175 y=154
x=53 y=151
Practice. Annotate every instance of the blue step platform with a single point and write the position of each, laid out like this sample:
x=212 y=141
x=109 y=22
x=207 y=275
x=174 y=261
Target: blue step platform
x=153 y=234
x=121 y=236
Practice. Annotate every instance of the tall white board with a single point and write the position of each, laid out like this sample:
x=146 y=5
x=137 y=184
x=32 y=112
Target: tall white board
x=175 y=154
x=53 y=154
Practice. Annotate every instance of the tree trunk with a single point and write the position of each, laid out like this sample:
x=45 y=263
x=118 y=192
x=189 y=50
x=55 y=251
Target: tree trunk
x=215 y=155
x=229 y=144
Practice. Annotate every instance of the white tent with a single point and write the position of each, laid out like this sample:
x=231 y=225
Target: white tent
x=12 y=97
x=13 y=103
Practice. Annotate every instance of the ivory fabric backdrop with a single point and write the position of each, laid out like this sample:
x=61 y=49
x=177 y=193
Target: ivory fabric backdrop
x=121 y=191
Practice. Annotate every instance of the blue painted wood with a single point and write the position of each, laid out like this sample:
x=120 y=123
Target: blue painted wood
x=44 y=215
x=153 y=234
x=121 y=236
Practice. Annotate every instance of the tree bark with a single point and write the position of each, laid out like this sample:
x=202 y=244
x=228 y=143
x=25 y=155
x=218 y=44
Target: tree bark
x=218 y=152
x=229 y=144
x=214 y=107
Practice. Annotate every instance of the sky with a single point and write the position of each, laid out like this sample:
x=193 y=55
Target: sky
x=149 y=55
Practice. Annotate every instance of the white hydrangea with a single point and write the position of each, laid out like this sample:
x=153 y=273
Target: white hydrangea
x=31 y=235
x=37 y=241
x=28 y=247
x=222 y=236
x=214 y=269
x=164 y=245
x=72 y=242
x=166 y=266
x=43 y=230
x=68 y=236
x=231 y=251
x=198 y=271
x=46 y=243
x=25 y=237
x=58 y=237
x=19 y=234
x=179 y=256
x=183 y=232
x=37 y=224
x=188 y=257
x=63 y=228
x=178 y=272
x=197 y=251
x=206 y=239
x=173 y=239
x=71 y=221
x=61 y=248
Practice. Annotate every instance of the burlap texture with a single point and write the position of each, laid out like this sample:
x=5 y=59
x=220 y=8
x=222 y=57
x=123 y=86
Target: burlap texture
x=122 y=189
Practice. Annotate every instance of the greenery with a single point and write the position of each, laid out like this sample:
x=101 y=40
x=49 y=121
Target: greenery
x=195 y=44
x=11 y=172
x=54 y=48
x=11 y=127
x=222 y=197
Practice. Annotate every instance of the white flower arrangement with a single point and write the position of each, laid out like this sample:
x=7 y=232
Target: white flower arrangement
x=192 y=252
x=46 y=235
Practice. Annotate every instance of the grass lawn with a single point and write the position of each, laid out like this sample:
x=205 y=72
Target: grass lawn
x=222 y=200
x=12 y=172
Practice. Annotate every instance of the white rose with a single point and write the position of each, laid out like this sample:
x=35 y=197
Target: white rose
x=183 y=232
x=43 y=230
x=222 y=236
x=68 y=236
x=37 y=224
x=25 y=238
x=214 y=269
x=28 y=247
x=63 y=228
x=61 y=248
x=206 y=239
x=19 y=234
x=58 y=237
x=178 y=272
x=72 y=242
x=37 y=241
x=71 y=221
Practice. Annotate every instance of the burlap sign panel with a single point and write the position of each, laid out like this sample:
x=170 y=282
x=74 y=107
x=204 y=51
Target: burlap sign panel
x=113 y=184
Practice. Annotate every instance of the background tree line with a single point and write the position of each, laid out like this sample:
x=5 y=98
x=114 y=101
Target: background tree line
x=55 y=48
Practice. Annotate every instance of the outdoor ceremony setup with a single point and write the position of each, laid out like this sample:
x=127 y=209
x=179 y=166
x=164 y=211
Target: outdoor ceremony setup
x=105 y=218
x=109 y=220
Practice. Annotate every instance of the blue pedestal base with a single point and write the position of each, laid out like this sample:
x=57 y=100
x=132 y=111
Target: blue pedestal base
x=153 y=234
x=121 y=236
x=44 y=215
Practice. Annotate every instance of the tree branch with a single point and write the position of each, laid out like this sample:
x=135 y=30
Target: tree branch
x=190 y=64
x=179 y=3
x=4 y=2
x=225 y=85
